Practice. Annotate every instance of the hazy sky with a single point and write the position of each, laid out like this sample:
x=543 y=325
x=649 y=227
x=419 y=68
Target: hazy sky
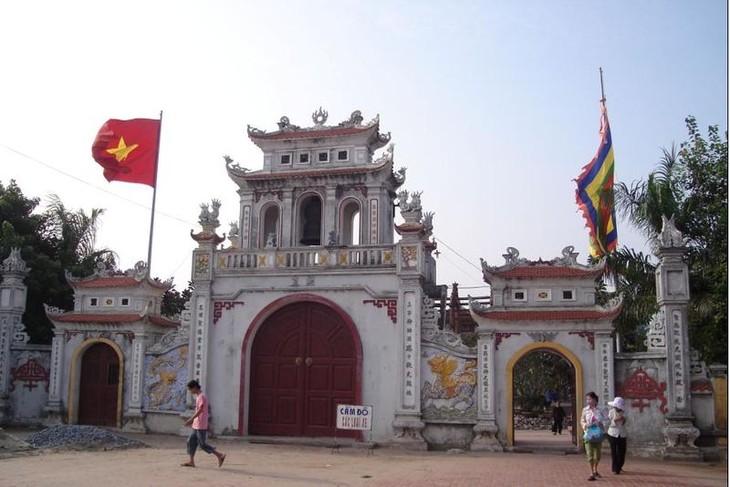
x=492 y=105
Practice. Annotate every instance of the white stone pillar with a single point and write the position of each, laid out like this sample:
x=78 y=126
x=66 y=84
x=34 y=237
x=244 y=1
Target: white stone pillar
x=133 y=416
x=12 y=307
x=199 y=337
x=407 y=423
x=6 y=333
x=329 y=218
x=672 y=279
x=54 y=408
x=486 y=430
x=604 y=368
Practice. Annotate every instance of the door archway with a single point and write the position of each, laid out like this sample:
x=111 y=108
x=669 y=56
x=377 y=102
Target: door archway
x=99 y=386
x=304 y=360
x=553 y=347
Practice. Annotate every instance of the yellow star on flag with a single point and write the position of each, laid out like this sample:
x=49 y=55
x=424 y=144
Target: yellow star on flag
x=122 y=150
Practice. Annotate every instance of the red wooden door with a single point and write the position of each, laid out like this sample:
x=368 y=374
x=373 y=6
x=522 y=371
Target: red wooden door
x=303 y=363
x=99 y=386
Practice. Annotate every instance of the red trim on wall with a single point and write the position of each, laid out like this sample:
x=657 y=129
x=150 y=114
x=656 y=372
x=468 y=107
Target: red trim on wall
x=390 y=304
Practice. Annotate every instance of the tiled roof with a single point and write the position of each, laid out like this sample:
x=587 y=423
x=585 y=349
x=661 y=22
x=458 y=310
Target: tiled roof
x=98 y=318
x=113 y=281
x=309 y=134
x=162 y=321
x=546 y=271
x=549 y=315
x=303 y=173
x=112 y=318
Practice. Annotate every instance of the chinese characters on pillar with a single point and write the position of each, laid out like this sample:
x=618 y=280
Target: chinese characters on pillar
x=373 y=221
x=198 y=340
x=485 y=357
x=409 y=397
x=245 y=227
x=678 y=360
x=606 y=369
x=137 y=369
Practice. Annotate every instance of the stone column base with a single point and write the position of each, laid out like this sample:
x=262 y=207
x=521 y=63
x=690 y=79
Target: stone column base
x=54 y=415
x=679 y=441
x=486 y=437
x=134 y=424
x=408 y=434
x=5 y=410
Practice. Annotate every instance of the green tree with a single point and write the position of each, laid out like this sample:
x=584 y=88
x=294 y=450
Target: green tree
x=51 y=243
x=173 y=301
x=537 y=373
x=689 y=184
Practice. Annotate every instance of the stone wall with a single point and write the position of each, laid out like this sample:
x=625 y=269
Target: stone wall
x=29 y=381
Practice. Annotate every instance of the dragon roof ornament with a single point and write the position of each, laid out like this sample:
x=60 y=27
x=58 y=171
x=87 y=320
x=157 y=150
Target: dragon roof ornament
x=387 y=155
x=319 y=118
x=568 y=258
x=235 y=168
x=355 y=120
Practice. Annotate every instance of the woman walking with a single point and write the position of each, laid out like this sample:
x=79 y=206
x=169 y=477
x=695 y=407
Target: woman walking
x=592 y=421
x=617 y=434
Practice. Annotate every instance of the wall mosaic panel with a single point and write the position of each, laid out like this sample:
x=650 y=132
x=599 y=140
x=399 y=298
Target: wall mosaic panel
x=449 y=386
x=166 y=376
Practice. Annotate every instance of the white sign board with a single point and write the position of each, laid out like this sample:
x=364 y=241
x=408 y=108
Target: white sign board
x=350 y=417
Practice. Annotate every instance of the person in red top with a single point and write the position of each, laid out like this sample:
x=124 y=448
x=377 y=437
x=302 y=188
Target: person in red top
x=199 y=423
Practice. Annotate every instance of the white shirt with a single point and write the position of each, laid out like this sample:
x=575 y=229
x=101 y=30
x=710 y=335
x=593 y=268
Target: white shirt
x=589 y=416
x=617 y=429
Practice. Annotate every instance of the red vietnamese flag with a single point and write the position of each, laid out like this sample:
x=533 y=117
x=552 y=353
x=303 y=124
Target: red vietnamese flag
x=127 y=150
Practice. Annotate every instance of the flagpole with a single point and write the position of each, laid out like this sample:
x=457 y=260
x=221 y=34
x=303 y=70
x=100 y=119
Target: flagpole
x=603 y=95
x=154 y=199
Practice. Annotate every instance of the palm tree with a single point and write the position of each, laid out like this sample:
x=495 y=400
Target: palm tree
x=645 y=202
x=632 y=273
x=72 y=234
x=689 y=185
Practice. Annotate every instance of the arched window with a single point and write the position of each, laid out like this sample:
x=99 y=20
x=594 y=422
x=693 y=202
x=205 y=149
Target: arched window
x=270 y=227
x=310 y=221
x=350 y=223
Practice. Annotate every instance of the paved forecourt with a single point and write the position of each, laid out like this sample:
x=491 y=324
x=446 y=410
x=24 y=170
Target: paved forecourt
x=254 y=464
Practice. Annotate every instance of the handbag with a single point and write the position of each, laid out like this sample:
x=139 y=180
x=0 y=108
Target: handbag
x=593 y=434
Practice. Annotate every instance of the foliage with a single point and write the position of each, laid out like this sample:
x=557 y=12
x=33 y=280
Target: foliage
x=173 y=301
x=537 y=373
x=633 y=278
x=689 y=184
x=52 y=243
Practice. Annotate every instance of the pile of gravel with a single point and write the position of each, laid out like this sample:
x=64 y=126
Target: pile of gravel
x=80 y=437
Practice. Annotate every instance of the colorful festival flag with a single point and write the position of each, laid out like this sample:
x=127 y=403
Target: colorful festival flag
x=127 y=150
x=595 y=194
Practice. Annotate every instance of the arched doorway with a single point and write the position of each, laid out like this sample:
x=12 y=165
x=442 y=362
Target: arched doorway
x=99 y=386
x=571 y=365
x=303 y=363
x=310 y=221
x=543 y=383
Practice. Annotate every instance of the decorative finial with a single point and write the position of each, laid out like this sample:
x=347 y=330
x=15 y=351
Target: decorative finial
x=320 y=117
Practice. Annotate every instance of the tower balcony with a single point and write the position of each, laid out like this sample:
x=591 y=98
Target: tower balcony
x=233 y=261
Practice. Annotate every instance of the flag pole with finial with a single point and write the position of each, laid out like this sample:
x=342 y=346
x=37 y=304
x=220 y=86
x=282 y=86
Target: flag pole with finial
x=154 y=199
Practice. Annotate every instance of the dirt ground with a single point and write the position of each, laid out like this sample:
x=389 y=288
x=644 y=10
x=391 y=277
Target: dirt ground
x=266 y=465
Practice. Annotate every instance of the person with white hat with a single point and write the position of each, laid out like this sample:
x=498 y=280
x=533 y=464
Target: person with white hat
x=617 y=434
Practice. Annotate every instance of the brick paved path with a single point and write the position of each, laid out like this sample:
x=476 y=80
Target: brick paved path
x=285 y=465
